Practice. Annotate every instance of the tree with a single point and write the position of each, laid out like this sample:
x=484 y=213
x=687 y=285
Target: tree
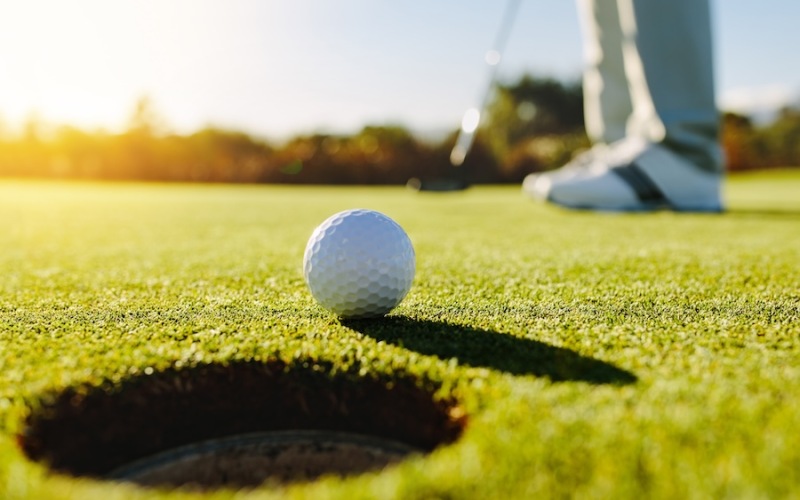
x=737 y=141
x=145 y=120
x=534 y=124
x=534 y=107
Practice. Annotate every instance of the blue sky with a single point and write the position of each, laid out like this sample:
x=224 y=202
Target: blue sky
x=279 y=67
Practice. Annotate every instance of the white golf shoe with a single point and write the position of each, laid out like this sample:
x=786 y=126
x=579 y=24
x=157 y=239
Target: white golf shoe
x=538 y=185
x=632 y=175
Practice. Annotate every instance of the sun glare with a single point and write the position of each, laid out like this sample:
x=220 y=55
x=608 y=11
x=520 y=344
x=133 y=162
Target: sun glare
x=56 y=65
x=86 y=62
x=470 y=121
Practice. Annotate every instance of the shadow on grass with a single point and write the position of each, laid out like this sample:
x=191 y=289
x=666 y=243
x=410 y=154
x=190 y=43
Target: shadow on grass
x=775 y=213
x=497 y=351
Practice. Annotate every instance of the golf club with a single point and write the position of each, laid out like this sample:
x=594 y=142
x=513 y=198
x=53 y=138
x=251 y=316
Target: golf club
x=472 y=116
x=457 y=180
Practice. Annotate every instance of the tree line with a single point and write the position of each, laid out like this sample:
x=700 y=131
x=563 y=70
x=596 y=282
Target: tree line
x=533 y=124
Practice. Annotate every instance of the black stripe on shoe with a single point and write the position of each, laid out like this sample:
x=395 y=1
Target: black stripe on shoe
x=645 y=189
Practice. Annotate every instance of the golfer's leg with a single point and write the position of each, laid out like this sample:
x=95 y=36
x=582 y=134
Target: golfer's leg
x=670 y=157
x=607 y=102
x=669 y=66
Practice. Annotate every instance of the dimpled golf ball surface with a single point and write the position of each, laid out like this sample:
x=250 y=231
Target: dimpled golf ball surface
x=359 y=264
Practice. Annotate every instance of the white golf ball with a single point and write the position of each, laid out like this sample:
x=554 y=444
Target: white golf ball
x=359 y=263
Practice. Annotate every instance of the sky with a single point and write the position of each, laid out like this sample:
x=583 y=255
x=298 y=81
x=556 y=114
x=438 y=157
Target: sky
x=276 y=68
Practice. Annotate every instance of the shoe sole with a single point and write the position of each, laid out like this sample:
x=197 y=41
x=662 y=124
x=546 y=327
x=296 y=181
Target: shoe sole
x=643 y=207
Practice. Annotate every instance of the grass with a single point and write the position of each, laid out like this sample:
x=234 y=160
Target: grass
x=612 y=355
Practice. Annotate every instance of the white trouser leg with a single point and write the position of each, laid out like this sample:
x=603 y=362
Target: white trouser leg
x=649 y=80
x=669 y=68
x=607 y=101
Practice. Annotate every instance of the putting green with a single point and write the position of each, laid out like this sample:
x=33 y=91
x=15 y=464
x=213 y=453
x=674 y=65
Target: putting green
x=540 y=352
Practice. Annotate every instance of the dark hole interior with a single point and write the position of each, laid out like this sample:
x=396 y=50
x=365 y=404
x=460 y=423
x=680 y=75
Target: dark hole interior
x=92 y=431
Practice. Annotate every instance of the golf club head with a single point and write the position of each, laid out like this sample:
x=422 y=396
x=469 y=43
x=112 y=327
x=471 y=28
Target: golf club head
x=437 y=185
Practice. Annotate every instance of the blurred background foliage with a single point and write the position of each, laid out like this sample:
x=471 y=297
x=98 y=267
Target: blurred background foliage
x=532 y=124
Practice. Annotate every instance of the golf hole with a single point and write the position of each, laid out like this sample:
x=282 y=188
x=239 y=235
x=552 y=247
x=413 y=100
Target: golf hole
x=237 y=426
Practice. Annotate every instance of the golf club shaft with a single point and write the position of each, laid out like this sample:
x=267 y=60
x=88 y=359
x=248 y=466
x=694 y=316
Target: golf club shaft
x=471 y=120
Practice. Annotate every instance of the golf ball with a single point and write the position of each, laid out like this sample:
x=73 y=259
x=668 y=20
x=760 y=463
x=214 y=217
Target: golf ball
x=359 y=264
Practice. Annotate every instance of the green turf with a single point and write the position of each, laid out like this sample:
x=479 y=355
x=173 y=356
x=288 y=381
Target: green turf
x=612 y=355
